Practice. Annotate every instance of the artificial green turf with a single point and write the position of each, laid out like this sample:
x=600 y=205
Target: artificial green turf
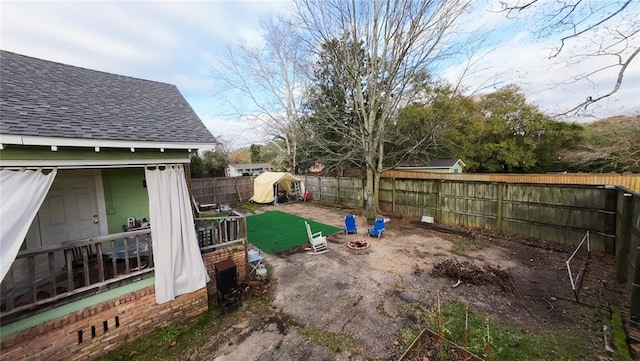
x=277 y=231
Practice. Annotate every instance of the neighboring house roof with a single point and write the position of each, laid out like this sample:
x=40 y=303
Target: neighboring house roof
x=434 y=163
x=251 y=165
x=47 y=99
x=444 y=163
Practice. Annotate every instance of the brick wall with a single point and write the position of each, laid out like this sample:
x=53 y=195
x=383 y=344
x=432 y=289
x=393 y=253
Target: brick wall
x=237 y=253
x=94 y=330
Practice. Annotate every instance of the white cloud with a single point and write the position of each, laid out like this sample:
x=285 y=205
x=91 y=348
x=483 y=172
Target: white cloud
x=234 y=133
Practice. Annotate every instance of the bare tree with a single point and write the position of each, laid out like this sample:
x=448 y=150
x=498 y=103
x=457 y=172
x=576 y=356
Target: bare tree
x=608 y=30
x=609 y=145
x=401 y=40
x=265 y=84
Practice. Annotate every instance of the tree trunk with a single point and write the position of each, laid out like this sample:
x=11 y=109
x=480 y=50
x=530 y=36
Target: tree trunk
x=369 y=192
x=376 y=192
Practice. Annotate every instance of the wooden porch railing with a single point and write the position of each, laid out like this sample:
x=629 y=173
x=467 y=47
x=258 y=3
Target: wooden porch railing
x=49 y=276
x=44 y=277
x=214 y=232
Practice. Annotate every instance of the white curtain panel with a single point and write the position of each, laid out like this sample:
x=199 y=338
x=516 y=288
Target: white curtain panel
x=21 y=194
x=179 y=268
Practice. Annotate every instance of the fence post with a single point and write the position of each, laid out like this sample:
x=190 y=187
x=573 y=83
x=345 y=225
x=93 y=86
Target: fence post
x=635 y=289
x=623 y=234
x=216 y=193
x=338 y=190
x=393 y=195
x=362 y=193
x=499 y=206
x=438 y=212
x=611 y=198
x=319 y=189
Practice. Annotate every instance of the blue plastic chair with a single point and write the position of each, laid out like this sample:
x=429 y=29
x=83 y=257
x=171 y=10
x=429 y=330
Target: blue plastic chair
x=350 y=225
x=378 y=228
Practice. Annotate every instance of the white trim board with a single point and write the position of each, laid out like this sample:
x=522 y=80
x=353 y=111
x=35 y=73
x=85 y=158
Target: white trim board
x=97 y=143
x=85 y=163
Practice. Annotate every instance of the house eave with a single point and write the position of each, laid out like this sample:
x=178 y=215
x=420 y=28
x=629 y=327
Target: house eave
x=79 y=163
x=97 y=143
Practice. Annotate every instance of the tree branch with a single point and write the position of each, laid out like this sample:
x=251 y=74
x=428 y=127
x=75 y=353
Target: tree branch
x=590 y=100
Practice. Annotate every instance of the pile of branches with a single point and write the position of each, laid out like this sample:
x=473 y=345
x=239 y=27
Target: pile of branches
x=471 y=274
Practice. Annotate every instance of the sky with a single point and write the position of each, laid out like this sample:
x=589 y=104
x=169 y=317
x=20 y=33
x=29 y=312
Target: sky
x=177 y=42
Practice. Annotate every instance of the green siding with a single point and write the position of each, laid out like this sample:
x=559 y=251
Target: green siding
x=125 y=196
x=17 y=152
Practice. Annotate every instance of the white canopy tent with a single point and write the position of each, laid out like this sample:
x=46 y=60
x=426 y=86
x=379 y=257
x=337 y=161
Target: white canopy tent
x=268 y=185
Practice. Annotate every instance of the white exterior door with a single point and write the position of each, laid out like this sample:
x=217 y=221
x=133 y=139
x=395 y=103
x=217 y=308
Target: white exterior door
x=70 y=210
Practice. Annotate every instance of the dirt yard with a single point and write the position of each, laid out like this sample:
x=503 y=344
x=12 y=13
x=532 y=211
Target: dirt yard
x=369 y=296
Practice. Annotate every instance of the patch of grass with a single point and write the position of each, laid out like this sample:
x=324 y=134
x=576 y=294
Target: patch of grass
x=335 y=342
x=169 y=333
x=597 y=318
x=509 y=343
x=213 y=213
x=408 y=335
x=250 y=207
x=277 y=231
x=461 y=245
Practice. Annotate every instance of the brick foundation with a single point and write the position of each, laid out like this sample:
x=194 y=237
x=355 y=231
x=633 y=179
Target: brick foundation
x=237 y=253
x=94 y=330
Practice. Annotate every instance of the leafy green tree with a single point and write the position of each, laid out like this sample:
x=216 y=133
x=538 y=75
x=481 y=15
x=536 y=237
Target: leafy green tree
x=212 y=163
x=510 y=129
x=557 y=137
x=446 y=123
x=255 y=150
x=197 y=167
x=215 y=162
x=497 y=132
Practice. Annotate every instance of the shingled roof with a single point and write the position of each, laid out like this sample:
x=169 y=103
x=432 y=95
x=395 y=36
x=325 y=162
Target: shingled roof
x=433 y=163
x=48 y=99
x=442 y=163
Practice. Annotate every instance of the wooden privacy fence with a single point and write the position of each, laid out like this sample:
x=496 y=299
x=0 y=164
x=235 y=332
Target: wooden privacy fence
x=556 y=212
x=222 y=190
x=346 y=191
x=629 y=181
x=561 y=213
